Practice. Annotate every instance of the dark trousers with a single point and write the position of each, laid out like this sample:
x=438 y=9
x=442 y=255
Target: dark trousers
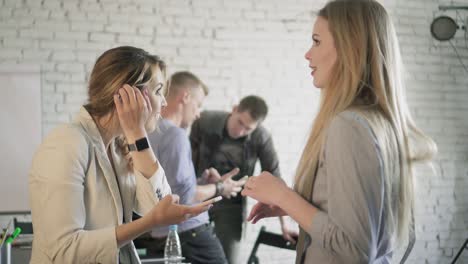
x=228 y=227
x=199 y=246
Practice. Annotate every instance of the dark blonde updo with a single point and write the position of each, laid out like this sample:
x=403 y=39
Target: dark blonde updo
x=113 y=69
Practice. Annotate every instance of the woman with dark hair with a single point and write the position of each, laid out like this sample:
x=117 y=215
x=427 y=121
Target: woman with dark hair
x=87 y=177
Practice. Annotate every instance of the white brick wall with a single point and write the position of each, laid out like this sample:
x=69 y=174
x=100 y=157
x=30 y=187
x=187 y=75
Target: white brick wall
x=243 y=47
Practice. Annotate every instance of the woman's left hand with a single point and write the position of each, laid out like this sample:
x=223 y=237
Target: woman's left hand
x=133 y=109
x=265 y=188
x=261 y=210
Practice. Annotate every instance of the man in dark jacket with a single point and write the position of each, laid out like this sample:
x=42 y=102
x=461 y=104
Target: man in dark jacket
x=222 y=141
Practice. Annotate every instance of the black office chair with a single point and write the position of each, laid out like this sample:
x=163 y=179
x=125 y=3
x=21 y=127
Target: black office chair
x=270 y=239
x=464 y=247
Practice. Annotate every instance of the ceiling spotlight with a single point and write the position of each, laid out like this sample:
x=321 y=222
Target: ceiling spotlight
x=443 y=28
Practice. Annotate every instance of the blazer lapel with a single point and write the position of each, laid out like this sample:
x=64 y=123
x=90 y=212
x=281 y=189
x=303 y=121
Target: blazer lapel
x=127 y=191
x=87 y=122
x=111 y=179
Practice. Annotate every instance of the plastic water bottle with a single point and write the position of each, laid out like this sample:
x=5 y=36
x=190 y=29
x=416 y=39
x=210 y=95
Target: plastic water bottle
x=173 y=251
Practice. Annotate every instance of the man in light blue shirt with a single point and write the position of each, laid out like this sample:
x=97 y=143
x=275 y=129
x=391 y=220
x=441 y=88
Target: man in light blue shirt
x=172 y=148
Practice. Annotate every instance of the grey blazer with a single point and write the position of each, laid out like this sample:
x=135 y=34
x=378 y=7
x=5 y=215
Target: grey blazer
x=77 y=200
x=349 y=191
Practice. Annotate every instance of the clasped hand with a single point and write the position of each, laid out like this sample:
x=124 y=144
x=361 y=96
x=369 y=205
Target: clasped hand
x=230 y=187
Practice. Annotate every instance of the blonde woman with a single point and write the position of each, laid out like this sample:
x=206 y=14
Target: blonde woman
x=353 y=192
x=88 y=176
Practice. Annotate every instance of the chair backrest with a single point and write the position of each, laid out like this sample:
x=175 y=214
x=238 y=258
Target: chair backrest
x=270 y=239
x=463 y=247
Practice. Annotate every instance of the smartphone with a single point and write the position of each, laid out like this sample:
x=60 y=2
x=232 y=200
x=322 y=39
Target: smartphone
x=211 y=201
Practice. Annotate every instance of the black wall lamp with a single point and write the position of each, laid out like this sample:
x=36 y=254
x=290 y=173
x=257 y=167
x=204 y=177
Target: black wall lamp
x=443 y=27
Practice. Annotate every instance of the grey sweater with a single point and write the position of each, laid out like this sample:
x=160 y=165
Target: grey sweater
x=350 y=192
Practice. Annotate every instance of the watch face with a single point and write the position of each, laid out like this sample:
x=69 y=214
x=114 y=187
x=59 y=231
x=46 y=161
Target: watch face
x=142 y=144
x=139 y=145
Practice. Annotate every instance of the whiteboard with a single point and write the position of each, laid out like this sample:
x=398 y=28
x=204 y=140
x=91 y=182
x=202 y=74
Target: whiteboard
x=20 y=132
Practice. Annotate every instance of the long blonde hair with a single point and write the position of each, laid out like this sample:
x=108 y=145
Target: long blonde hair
x=367 y=77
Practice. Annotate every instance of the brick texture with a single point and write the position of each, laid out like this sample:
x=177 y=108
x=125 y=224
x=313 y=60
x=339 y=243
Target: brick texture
x=257 y=47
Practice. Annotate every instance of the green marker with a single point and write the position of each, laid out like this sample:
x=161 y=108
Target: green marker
x=14 y=235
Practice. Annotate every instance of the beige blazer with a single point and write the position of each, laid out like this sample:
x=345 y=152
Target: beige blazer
x=77 y=200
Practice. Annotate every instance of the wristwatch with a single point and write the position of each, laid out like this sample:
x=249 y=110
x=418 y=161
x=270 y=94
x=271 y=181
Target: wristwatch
x=219 y=188
x=139 y=145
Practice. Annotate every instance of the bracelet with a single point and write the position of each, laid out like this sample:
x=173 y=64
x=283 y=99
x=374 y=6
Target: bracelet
x=219 y=188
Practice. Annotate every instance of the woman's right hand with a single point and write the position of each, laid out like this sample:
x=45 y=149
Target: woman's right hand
x=133 y=108
x=168 y=211
x=261 y=210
